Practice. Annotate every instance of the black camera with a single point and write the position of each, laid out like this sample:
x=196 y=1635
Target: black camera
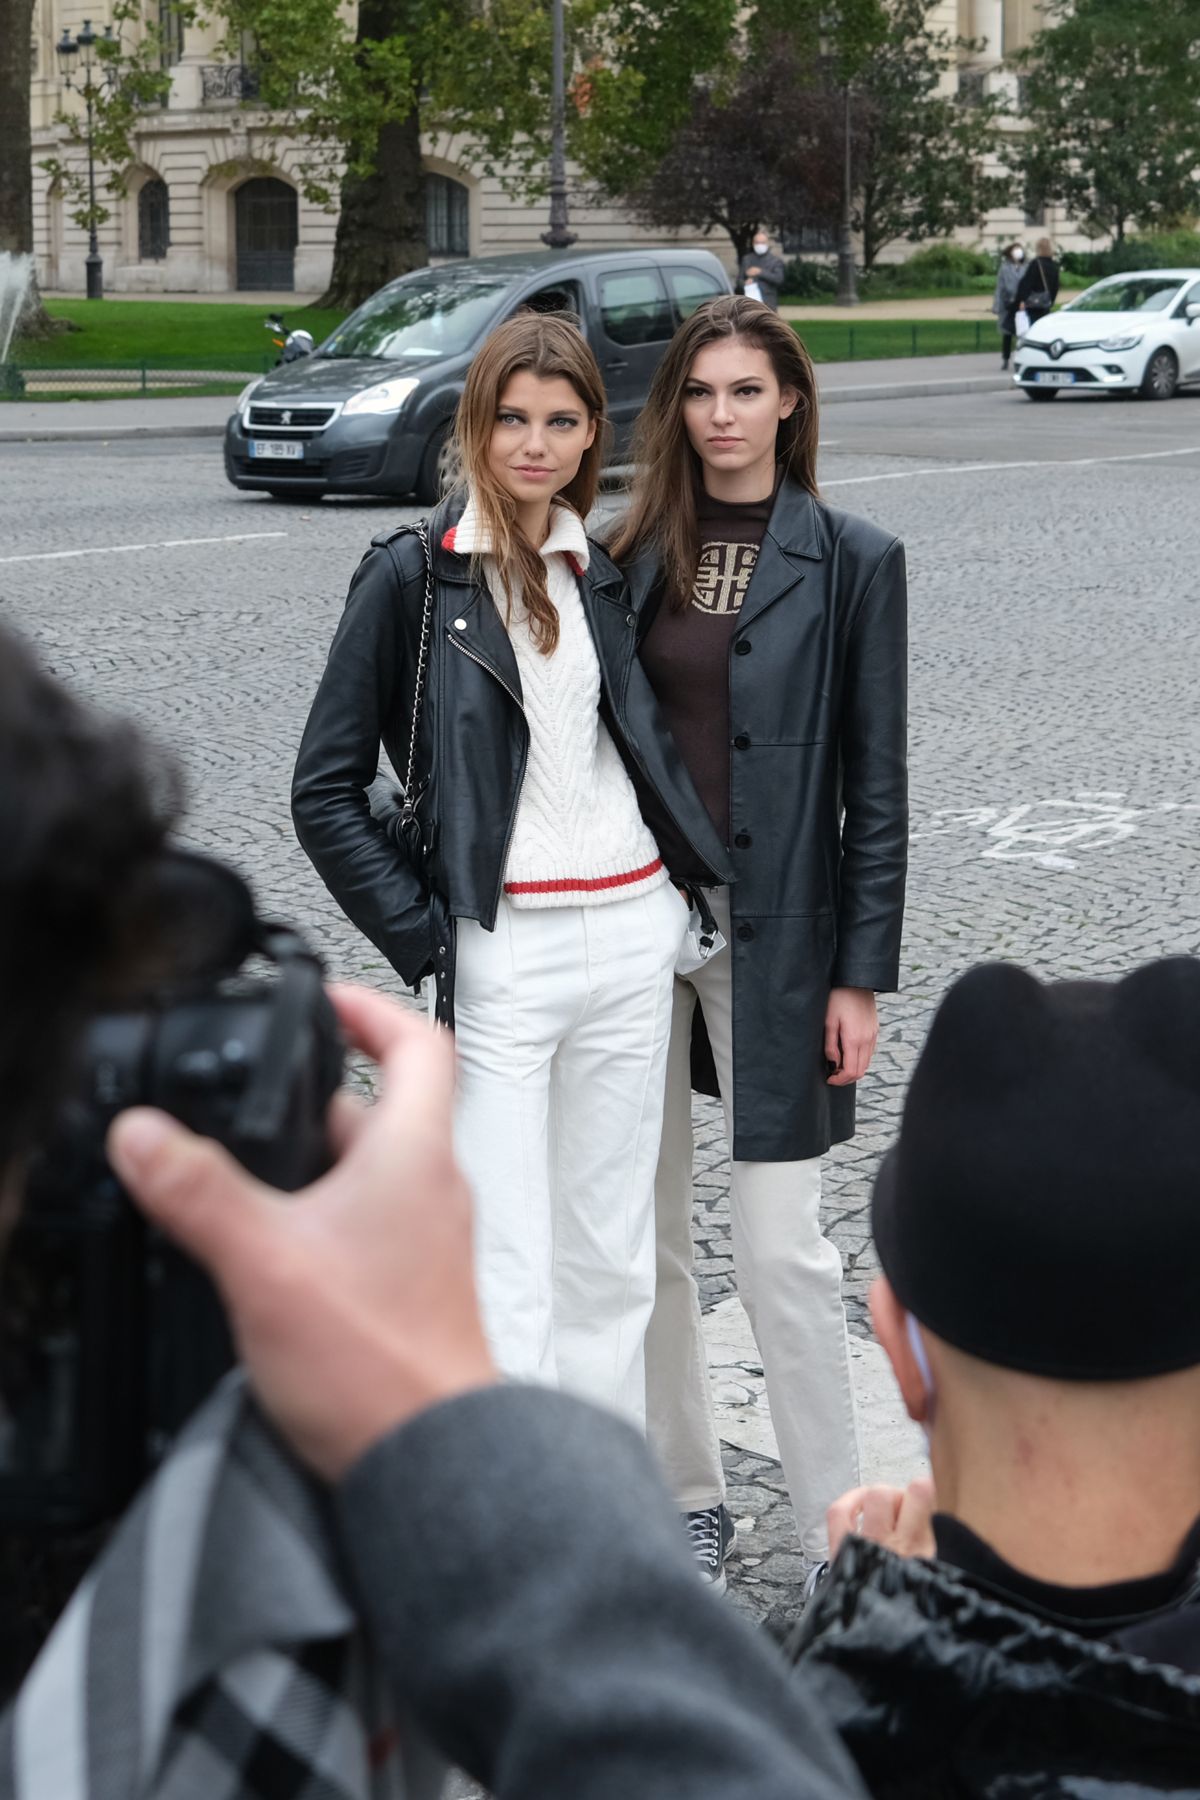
x=109 y=1337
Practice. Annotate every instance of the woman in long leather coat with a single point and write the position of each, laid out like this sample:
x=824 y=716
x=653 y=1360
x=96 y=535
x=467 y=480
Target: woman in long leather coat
x=773 y=630
x=524 y=877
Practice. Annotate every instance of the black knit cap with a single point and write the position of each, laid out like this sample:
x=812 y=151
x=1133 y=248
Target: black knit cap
x=1041 y=1209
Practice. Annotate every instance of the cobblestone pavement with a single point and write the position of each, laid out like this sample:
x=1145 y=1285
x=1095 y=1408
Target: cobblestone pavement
x=1055 y=732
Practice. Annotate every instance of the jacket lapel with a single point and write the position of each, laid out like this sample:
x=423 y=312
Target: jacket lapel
x=468 y=614
x=791 y=539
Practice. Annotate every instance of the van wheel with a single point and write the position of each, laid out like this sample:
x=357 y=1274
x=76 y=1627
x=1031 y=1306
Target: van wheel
x=434 y=476
x=290 y=494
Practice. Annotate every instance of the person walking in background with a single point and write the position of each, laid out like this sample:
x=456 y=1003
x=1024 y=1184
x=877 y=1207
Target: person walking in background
x=535 y=893
x=761 y=272
x=1038 y=287
x=1004 y=300
x=773 y=630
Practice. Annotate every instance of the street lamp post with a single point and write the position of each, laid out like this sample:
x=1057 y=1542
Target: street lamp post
x=67 y=49
x=847 y=284
x=558 y=237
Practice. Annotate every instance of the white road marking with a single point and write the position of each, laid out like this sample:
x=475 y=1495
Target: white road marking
x=235 y=537
x=1046 y=462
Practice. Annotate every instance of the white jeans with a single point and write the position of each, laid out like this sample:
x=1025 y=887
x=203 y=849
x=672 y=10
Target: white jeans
x=789 y=1280
x=562 y=1017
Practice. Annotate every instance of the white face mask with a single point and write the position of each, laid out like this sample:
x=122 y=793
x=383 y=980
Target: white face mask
x=761 y=246
x=921 y=1358
x=1018 y=256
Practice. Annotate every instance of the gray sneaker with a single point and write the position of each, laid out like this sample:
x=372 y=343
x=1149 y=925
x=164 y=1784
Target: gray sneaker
x=712 y=1536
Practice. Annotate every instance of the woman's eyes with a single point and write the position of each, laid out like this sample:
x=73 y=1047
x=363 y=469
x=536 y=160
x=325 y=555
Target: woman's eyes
x=700 y=393
x=568 y=421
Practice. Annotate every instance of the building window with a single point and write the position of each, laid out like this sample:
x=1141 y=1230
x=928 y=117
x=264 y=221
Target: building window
x=972 y=86
x=154 y=221
x=1035 y=211
x=170 y=33
x=817 y=238
x=447 y=217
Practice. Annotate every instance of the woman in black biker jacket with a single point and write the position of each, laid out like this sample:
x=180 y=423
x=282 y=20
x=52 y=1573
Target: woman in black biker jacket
x=525 y=879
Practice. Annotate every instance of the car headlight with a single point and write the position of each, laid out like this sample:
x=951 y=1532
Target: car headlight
x=385 y=397
x=246 y=392
x=1130 y=341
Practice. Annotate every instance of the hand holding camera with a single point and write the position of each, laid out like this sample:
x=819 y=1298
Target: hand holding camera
x=351 y=1302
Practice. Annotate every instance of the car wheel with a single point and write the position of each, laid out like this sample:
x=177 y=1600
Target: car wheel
x=1161 y=377
x=434 y=476
x=1042 y=393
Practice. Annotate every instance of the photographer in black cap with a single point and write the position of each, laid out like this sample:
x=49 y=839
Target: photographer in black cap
x=1038 y=1226
x=510 y=1550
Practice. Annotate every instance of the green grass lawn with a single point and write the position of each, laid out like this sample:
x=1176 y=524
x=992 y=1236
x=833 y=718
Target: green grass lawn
x=214 y=335
x=852 y=340
x=165 y=334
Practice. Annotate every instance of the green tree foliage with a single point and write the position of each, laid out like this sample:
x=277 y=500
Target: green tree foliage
x=1112 y=95
x=358 y=99
x=917 y=154
x=127 y=77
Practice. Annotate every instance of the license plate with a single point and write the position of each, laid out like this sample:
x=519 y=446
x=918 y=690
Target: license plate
x=1056 y=377
x=287 y=451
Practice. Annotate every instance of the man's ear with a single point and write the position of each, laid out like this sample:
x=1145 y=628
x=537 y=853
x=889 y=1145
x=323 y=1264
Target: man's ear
x=888 y=1318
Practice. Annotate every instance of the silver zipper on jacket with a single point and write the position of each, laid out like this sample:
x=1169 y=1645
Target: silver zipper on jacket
x=512 y=823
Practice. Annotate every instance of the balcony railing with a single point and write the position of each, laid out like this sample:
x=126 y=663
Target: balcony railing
x=228 y=82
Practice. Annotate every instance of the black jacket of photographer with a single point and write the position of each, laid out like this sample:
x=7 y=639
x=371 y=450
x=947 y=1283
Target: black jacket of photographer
x=819 y=810
x=472 y=747
x=940 y=1682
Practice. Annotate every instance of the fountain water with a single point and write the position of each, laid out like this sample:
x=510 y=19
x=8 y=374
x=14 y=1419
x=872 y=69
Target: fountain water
x=16 y=276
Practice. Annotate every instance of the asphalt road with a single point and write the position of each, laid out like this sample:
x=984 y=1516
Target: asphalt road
x=1054 y=556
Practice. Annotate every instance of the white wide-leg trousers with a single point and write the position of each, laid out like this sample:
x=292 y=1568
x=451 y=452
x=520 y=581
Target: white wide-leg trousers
x=562 y=1018
x=789 y=1279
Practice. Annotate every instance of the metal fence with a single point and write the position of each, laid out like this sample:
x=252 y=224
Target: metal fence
x=129 y=380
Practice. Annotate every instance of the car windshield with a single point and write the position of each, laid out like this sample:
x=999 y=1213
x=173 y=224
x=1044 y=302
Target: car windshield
x=419 y=317
x=1135 y=293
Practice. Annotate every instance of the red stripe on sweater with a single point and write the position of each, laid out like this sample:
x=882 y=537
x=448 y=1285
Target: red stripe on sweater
x=448 y=540
x=593 y=885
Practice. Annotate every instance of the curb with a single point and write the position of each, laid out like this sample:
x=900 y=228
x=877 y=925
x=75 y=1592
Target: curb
x=103 y=434
x=913 y=390
x=832 y=396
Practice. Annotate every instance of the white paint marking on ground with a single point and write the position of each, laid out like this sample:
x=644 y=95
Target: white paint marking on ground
x=1048 y=462
x=235 y=537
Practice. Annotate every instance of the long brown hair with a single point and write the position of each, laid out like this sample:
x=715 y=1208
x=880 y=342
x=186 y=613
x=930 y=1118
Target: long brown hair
x=668 y=484
x=550 y=346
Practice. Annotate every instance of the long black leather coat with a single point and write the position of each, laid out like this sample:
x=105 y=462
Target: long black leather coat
x=471 y=750
x=939 y=1689
x=819 y=807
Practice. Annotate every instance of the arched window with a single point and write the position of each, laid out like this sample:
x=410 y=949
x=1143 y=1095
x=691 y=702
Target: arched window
x=154 y=221
x=447 y=216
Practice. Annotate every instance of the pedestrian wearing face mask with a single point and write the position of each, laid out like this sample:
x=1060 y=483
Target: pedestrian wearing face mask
x=1004 y=300
x=761 y=272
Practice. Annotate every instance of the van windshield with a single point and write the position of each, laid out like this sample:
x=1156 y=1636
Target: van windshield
x=419 y=317
x=1134 y=293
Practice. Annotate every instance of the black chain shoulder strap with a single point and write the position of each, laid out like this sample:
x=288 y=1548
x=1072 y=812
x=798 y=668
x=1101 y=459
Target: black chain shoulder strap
x=411 y=790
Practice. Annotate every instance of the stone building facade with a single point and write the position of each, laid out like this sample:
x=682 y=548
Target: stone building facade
x=213 y=203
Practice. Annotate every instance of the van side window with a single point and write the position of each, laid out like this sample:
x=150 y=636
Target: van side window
x=634 y=309
x=562 y=297
x=690 y=288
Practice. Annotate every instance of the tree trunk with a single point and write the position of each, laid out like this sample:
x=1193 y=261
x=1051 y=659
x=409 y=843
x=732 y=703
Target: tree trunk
x=16 y=171
x=381 y=226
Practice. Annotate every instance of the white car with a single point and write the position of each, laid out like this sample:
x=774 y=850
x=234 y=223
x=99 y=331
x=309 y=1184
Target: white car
x=1129 y=334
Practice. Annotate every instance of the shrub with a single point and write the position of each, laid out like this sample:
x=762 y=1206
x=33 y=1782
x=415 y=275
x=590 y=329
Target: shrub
x=809 y=280
x=1157 y=250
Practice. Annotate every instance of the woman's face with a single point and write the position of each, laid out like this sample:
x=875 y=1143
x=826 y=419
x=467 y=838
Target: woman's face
x=541 y=431
x=732 y=405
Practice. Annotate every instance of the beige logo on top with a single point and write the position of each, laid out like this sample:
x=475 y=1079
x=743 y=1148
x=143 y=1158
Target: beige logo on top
x=722 y=576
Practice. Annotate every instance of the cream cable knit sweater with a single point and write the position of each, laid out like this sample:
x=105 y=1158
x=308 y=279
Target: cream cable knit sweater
x=579 y=838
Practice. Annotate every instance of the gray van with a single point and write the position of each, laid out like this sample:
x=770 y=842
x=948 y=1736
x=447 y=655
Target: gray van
x=369 y=412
